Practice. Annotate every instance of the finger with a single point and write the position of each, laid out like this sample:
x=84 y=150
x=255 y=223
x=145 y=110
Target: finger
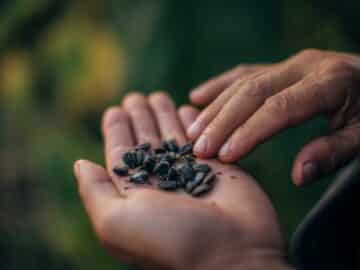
x=187 y=115
x=208 y=91
x=167 y=118
x=95 y=187
x=248 y=98
x=292 y=106
x=325 y=155
x=142 y=119
x=118 y=138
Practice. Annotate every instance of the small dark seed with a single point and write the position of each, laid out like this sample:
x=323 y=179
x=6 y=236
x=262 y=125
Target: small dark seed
x=140 y=177
x=149 y=163
x=171 y=146
x=167 y=185
x=159 y=150
x=186 y=149
x=129 y=159
x=143 y=146
x=201 y=167
x=209 y=179
x=121 y=171
x=162 y=168
x=199 y=190
x=189 y=159
x=172 y=174
x=140 y=155
x=199 y=177
x=187 y=173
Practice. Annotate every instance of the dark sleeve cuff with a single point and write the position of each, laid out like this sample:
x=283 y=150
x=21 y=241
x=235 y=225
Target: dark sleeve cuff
x=329 y=236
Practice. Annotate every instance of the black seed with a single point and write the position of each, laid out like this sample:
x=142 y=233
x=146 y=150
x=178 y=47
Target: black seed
x=199 y=177
x=172 y=174
x=130 y=159
x=121 y=171
x=189 y=159
x=186 y=149
x=140 y=155
x=168 y=157
x=143 y=146
x=199 y=190
x=187 y=173
x=140 y=177
x=168 y=185
x=201 y=167
x=149 y=162
x=162 y=168
x=159 y=150
x=171 y=146
x=209 y=179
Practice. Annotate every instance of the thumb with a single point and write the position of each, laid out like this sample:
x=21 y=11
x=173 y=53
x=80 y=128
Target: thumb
x=326 y=154
x=95 y=187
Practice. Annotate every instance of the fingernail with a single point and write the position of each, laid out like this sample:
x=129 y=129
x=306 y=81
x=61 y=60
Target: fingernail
x=225 y=150
x=310 y=171
x=201 y=144
x=193 y=130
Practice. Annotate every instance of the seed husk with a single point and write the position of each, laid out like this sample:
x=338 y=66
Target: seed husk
x=140 y=177
x=200 y=190
x=121 y=171
x=144 y=146
x=167 y=185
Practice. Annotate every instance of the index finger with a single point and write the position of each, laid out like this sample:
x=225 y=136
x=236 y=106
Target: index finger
x=117 y=135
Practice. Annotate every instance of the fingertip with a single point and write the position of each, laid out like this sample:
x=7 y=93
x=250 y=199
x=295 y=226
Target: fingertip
x=159 y=96
x=132 y=99
x=113 y=115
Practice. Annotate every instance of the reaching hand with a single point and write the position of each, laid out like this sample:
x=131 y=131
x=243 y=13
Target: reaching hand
x=251 y=109
x=233 y=226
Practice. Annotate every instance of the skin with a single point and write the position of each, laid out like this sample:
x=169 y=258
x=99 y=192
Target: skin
x=232 y=226
x=248 y=105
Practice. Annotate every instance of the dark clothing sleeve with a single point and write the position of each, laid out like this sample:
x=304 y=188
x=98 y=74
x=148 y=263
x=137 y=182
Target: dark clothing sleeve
x=328 y=238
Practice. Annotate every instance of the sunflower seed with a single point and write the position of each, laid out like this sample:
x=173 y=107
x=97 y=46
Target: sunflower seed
x=130 y=160
x=199 y=190
x=172 y=174
x=121 y=171
x=199 y=177
x=201 y=167
x=162 y=168
x=144 y=146
x=209 y=179
x=187 y=173
x=167 y=185
x=186 y=149
x=140 y=155
x=140 y=177
x=149 y=163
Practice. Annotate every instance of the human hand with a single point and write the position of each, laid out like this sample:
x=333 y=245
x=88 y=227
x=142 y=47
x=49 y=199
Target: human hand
x=232 y=226
x=257 y=106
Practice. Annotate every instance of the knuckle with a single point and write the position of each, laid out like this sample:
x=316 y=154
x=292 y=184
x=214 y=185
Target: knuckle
x=278 y=105
x=339 y=67
x=309 y=53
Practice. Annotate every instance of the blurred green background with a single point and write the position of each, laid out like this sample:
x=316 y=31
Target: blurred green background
x=63 y=62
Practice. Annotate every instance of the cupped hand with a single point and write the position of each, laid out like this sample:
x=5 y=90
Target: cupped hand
x=232 y=226
x=258 y=105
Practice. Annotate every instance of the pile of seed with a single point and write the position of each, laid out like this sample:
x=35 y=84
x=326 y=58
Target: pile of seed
x=175 y=166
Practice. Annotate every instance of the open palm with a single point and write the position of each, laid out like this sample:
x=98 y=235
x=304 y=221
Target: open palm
x=233 y=225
